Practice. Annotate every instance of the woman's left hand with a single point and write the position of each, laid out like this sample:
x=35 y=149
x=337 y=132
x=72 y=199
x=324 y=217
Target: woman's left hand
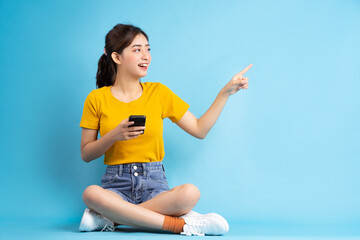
x=237 y=82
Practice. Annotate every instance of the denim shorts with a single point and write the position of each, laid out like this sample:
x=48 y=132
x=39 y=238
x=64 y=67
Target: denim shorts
x=135 y=182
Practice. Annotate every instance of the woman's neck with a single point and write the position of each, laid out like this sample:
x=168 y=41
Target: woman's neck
x=127 y=87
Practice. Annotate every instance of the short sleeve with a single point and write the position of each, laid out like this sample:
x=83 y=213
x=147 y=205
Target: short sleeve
x=173 y=107
x=90 y=117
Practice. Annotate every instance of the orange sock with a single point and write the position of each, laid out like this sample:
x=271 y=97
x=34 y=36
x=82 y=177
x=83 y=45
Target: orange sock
x=173 y=224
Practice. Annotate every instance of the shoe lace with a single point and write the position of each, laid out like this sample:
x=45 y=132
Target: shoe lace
x=108 y=228
x=197 y=226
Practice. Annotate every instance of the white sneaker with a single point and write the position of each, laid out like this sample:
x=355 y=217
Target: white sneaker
x=191 y=214
x=92 y=221
x=204 y=224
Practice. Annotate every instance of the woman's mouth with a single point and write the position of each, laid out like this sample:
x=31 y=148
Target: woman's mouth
x=143 y=66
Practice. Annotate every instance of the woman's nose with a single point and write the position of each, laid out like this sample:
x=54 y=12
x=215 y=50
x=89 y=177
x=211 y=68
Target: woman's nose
x=146 y=55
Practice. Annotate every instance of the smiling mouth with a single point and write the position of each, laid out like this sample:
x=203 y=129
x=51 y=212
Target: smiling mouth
x=143 y=66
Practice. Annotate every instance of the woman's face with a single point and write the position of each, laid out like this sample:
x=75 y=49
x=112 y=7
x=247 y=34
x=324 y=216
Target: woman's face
x=135 y=59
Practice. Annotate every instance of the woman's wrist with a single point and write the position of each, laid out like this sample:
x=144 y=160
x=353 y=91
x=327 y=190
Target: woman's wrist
x=110 y=137
x=224 y=93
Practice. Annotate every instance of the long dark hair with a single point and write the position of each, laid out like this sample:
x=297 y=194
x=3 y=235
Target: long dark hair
x=120 y=37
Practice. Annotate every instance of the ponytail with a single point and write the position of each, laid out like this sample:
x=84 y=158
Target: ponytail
x=105 y=75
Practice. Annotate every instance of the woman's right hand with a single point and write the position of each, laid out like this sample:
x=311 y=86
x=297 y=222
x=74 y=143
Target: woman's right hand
x=123 y=132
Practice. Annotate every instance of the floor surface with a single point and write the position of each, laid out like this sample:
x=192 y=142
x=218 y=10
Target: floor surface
x=64 y=231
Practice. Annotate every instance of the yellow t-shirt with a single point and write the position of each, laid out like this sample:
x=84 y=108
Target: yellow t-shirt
x=104 y=112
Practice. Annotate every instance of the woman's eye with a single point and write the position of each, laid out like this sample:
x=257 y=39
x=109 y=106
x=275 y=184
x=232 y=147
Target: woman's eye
x=137 y=50
x=149 y=49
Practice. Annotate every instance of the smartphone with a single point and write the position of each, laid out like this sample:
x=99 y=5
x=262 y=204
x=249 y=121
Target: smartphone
x=139 y=120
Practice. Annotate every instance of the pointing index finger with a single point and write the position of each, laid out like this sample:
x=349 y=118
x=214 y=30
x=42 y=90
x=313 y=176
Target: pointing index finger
x=246 y=69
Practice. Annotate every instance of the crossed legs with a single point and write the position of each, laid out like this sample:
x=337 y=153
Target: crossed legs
x=150 y=214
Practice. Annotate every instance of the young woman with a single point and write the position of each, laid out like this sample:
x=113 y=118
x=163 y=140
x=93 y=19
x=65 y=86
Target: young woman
x=134 y=189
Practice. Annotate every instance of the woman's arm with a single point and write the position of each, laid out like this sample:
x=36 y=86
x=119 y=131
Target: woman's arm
x=91 y=147
x=199 y=128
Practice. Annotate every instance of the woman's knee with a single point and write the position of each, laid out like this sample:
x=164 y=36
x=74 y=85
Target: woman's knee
x=92 y=195
x=189 y=193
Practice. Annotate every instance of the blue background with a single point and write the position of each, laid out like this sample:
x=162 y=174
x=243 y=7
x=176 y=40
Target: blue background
x=285 y=151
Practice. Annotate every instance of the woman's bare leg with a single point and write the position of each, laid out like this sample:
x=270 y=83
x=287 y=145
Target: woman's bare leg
x=175 y=202
x=116 y=209
x=150 y=214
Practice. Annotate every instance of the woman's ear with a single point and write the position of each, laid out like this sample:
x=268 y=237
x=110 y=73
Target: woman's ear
x=115 y=57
